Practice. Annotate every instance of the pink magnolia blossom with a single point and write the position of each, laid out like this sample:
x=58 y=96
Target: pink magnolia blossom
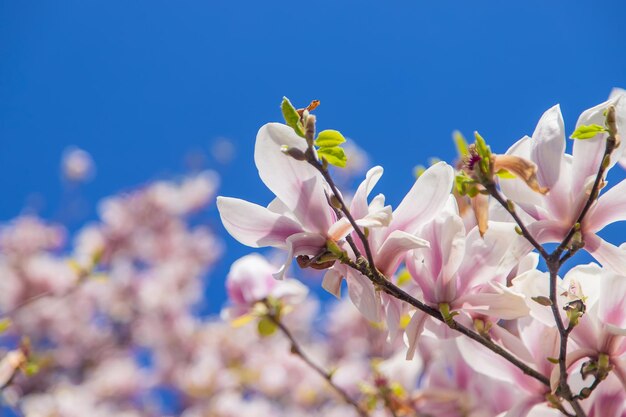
x=251 y=280
x=466 y=271
x=390 y=244
x=300 y=219
x=570 y=178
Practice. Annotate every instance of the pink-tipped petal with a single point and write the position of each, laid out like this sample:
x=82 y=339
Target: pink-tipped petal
x=254 y=225
x=610 y=208
x=610 y=256
x=395 y=248
x=426 y=198
x=297 y=184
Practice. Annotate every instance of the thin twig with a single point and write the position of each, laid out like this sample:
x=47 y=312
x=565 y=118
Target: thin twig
x=297 y=350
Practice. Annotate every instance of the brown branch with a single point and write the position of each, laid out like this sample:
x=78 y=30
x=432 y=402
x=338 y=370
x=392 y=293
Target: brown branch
x=297 y=350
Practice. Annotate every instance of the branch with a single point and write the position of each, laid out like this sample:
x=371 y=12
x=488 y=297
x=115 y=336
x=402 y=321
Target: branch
x=297 y=350
x=384 y=284
x=491 y=188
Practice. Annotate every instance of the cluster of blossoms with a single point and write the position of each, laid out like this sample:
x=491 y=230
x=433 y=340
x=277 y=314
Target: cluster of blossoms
x=451 y=274
x=448 y=312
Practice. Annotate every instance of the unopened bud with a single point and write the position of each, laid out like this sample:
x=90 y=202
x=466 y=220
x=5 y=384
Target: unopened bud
x=295 y=153
x=518 y=230
x=334 y=201
x=309 y=129
x=510 y=205
x=544 y=301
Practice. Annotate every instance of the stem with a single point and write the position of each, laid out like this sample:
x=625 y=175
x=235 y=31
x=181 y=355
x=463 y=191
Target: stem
x=491 y=188
x=297 y=350
x=384 y=284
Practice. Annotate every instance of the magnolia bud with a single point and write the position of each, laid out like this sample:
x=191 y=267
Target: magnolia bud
x=295 y=153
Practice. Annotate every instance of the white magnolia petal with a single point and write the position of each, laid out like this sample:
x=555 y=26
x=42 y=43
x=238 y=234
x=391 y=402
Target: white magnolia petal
x=488 y=363
x=534 y=284
x=514 y=188
x=502 y=303
x=493 y=256
x=359 y=206
x=426 y=198
x=610 y=208
x=588 y=153
x=297 y=184
x=612 y=302
x=549 y=146
x=609 y=256
x=254 y=225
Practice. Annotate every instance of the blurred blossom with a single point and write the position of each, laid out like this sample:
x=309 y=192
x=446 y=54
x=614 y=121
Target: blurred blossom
x=77 y=165
x=223 y=150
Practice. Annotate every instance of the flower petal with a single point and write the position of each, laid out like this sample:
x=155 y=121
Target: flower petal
x=426 y=198
x=297 y=184
x=413 y=331
x=549 y=146
x=395 y=248
x=359 y=206
x=610 y=208
x=609 y=256
x=303 y=243
x=254 y=225
x=332 y=282
x=363 y=296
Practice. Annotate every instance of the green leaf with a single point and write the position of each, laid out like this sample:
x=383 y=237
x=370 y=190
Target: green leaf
x=404 y=277
x=484 y=152
x=292 y=118
x=587 y=132
x=334 y=156
x=461 y=143
x=329 y=139
x=4 y=325
x=266 y=327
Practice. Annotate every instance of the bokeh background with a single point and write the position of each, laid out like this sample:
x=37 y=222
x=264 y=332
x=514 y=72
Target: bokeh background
x=154 y=89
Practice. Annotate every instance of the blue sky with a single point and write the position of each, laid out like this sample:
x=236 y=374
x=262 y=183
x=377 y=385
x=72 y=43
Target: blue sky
x=142 y=84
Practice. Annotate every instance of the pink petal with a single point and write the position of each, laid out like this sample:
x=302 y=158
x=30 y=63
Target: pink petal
x=395 y=247
x=332 y=282
x=297 y=184
x=363 y=296
x=413 y=331
x=612 y=303
x=588 y=153
x=608 y=255
x=610 y=208
x=549 y=146
x=303 y=243
x=254 y=225
x=426 y=198
x=493 y=256
x=502 y=303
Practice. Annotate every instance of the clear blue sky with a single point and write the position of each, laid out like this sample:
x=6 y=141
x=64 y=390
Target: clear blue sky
x=139 y=84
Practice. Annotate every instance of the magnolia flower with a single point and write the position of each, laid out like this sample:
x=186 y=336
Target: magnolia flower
x=300 y=218
x=465 y=271
x=534 y=344
x=569 y=178
x=250 y=280
x=390 y=244
x=602 y=327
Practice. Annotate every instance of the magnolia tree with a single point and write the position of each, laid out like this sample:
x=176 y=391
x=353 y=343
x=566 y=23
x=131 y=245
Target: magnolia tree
x=447 y=312
x=452 y=270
